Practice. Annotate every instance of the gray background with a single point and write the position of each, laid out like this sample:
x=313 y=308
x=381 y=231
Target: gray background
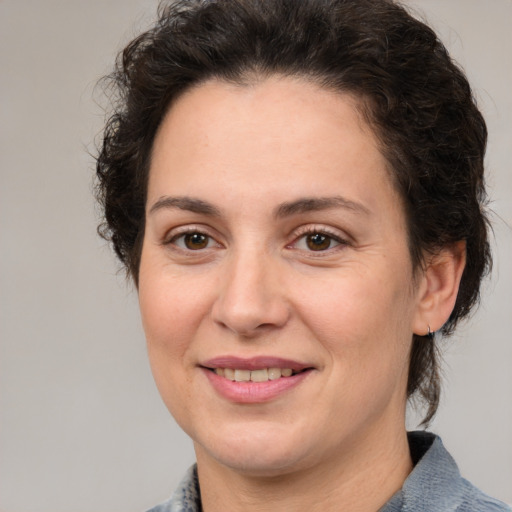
x=82 y=426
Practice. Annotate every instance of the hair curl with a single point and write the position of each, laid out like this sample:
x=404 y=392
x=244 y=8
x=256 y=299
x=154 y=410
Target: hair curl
x=415 y=97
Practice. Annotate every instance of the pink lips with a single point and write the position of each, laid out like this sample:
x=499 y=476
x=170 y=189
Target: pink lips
x=253 y=392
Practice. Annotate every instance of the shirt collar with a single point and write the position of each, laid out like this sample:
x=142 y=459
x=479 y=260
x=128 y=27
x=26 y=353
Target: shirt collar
x=434 y=483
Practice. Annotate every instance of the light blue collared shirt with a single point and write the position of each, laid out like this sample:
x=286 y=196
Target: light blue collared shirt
x=434 y=485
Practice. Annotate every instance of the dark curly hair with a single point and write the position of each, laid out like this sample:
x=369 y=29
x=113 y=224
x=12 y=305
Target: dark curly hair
x=415 y=97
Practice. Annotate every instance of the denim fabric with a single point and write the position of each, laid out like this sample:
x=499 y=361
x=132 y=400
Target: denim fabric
x=434 y=485
x=186 y=497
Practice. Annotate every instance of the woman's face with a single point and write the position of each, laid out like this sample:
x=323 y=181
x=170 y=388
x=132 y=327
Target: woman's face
x=275 y=242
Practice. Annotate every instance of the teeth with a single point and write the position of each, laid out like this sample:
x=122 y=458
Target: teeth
x=259 y=375
x=242 y=375
x=262 y=375
x=274 y=373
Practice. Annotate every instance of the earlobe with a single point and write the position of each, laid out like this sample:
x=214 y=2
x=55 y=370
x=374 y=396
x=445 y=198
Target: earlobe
x=438 y=288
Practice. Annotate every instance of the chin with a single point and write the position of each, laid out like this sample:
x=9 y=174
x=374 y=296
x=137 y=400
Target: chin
x=258 y=464
x=264 y=453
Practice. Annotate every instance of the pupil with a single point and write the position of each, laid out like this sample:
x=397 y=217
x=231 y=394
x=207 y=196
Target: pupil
x=195 y=241
x=318 y=242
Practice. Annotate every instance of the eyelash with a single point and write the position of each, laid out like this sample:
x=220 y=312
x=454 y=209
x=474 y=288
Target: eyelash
x=306 y=231
x=189 y=230
x=301 y=234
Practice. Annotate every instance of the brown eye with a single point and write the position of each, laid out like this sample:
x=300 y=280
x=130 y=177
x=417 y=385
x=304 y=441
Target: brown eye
x=195 y=241
x=318 y=242
x=192 y=241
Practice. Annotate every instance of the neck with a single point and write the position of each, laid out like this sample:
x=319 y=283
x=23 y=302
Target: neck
x=362 y=479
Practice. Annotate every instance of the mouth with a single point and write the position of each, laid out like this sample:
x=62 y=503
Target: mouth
x=254 y=380
x=261 y=375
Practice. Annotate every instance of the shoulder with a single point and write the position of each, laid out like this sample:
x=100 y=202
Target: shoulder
x=436 y=484
x=474 y=500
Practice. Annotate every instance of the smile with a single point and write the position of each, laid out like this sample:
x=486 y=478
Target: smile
x=254 y=380
x=262 y=375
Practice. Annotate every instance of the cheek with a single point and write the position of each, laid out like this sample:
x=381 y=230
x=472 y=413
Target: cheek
x=368 y=356
x=169 y=314
x=165 y=321
x=170 y=306
x=361 y=318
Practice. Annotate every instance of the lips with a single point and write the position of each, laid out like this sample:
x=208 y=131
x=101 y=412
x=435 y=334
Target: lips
x=254 y=380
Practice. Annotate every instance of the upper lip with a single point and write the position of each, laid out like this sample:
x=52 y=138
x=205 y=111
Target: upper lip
x=254 y=363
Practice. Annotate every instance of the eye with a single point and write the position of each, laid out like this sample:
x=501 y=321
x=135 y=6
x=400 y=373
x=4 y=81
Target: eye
x=193 y=241
x=317 y=241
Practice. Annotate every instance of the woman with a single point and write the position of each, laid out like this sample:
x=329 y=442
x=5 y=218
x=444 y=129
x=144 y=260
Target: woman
x=297 y=190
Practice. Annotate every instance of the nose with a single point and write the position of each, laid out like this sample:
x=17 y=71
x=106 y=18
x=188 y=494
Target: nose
x=251 y=298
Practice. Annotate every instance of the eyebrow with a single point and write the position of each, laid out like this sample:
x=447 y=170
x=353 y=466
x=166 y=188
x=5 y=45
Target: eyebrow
x=302 y=205
x=190 y=204
x=312 y=204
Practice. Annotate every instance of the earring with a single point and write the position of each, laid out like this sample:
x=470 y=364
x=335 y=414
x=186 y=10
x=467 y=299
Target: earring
x=430 y=333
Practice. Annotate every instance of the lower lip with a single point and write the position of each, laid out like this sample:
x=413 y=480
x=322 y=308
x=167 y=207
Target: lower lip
x=253 y=392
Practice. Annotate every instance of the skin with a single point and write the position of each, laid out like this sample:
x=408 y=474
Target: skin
x=257 y=288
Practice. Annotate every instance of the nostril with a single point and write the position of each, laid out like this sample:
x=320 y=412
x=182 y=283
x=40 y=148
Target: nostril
x=249 y=323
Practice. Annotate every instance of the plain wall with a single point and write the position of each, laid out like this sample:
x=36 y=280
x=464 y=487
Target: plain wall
x=82 y=426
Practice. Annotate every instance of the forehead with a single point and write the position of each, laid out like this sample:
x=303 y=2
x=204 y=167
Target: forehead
x=216 y=105
x=278 y=135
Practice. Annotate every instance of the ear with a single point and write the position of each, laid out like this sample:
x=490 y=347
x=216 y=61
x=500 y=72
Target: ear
x=438 y=288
